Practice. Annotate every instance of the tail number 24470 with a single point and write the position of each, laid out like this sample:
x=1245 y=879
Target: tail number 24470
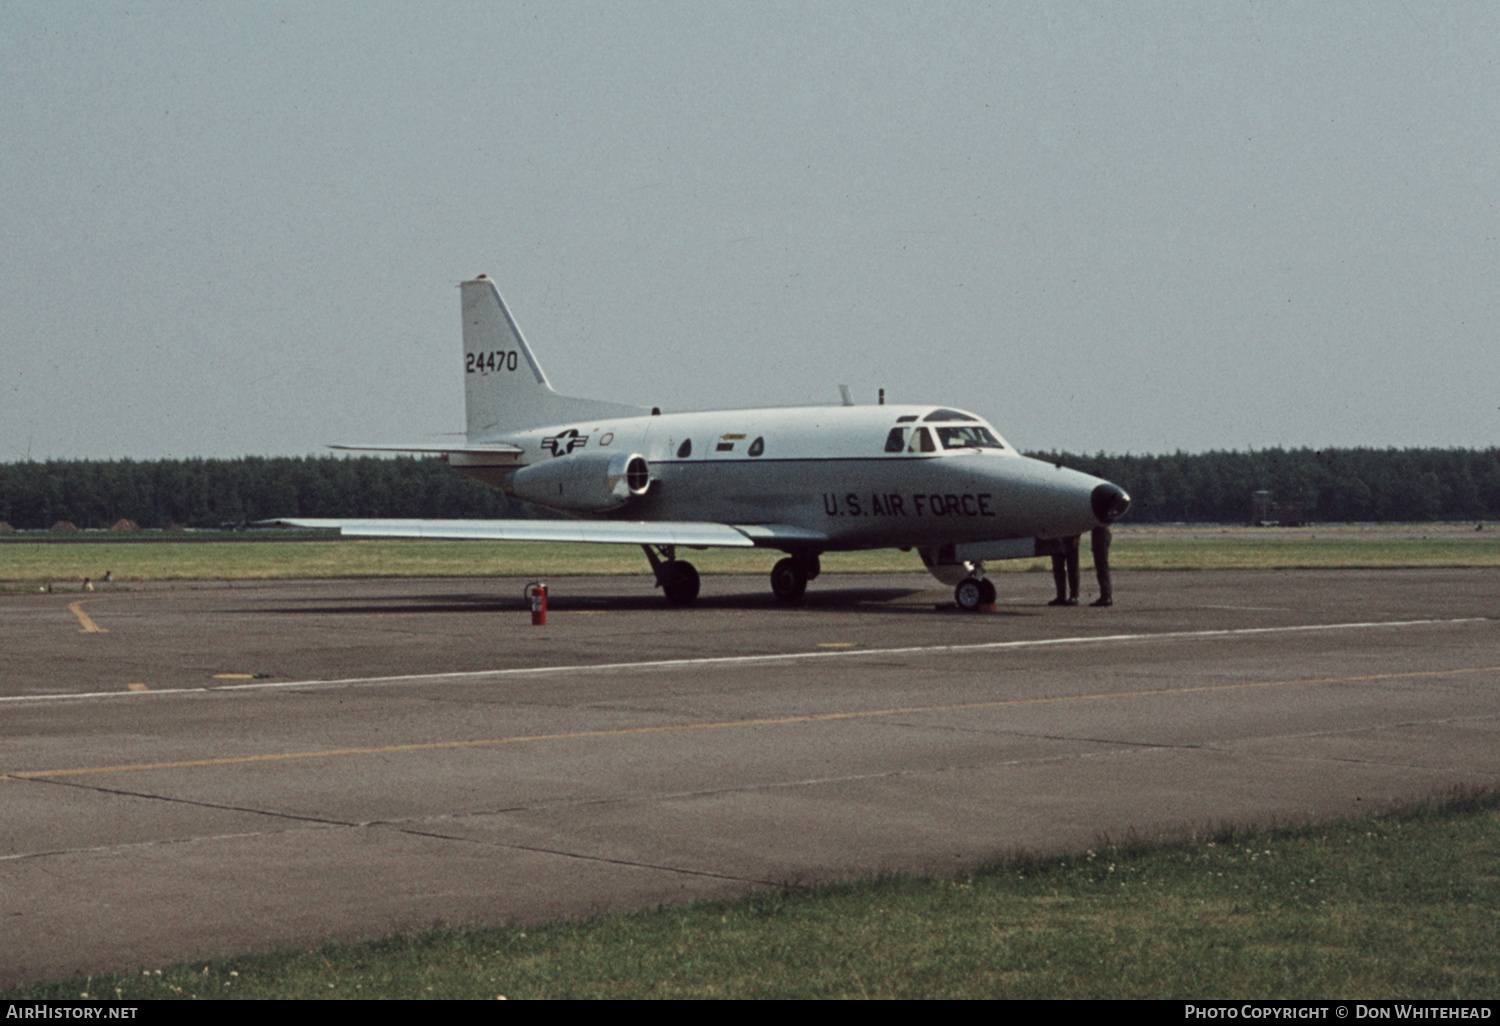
x=494 y=360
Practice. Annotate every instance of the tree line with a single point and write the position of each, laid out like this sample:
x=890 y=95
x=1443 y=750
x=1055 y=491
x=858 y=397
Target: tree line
x=1331 y=485
x=218 y=492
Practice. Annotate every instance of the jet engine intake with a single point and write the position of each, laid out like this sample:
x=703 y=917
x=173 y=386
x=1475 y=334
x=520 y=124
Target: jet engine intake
x=586 y=483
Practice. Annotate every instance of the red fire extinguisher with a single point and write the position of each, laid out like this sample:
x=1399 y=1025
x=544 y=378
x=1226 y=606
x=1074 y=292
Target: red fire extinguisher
x=536 y=592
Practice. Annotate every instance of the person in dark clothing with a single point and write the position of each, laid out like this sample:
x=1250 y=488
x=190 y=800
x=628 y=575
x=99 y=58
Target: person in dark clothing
x=1065 y=572
x=1099 y=541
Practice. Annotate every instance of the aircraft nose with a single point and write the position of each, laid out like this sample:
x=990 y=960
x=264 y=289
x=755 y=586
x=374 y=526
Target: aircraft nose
x=1110 y=502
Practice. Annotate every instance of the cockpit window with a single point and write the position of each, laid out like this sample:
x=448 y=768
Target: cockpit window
x=944 y=414
x=896 y=440
x=921 y=441
x=906 y=419
x=968 y=438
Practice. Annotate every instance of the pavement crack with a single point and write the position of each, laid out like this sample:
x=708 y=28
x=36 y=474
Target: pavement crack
x=197 y=803
x=156 y=842
x=1366 y=728
x=1382 y=763
x=605 y=859
x=1113 y=742
x=386 y=824
x=759 y=786
x=946 y=728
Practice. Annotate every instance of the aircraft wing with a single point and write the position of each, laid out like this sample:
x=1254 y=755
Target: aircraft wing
x=618 y=532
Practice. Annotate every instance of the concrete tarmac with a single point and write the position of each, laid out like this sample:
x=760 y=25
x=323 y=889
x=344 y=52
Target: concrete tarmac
x=199 y=770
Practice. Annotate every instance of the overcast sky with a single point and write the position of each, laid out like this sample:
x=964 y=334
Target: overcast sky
x=233 y=229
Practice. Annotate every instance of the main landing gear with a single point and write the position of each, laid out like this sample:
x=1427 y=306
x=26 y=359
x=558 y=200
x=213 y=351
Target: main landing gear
x=789 y=576
x=974 y=593
x=677 y=578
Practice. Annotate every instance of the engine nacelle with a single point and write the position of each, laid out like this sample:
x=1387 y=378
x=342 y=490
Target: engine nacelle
x=591 y=483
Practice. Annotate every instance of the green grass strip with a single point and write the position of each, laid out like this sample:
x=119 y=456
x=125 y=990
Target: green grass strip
x=171 y=558
x=1398 y=906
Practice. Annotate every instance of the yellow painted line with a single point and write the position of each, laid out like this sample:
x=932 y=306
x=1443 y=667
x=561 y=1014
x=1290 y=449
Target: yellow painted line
x=137 y=686
x=234 y=676
x=835 y=644
x=434 y=746
x=86 y=622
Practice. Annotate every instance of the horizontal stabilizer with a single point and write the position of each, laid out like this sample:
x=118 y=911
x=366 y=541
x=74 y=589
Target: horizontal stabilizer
x=467 y=448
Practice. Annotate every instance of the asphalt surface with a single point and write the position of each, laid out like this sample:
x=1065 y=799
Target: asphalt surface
x=199 y=770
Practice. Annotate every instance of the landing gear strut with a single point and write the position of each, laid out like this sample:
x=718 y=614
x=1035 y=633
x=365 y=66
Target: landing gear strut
x=677 y=578
x=789 y=576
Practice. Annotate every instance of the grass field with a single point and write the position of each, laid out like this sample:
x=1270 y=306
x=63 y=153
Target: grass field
x=40 y=559
x=1399 y=906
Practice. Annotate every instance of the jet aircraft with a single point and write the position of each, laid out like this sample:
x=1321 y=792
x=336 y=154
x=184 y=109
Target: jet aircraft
x=803 y=481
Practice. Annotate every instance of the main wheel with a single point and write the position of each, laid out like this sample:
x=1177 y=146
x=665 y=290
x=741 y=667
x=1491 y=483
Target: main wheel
x=969 y=595
x=789 y=580
x=986 y=592
x=680 y=582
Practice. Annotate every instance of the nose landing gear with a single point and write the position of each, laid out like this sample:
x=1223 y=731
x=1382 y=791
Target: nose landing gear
x=974 y=594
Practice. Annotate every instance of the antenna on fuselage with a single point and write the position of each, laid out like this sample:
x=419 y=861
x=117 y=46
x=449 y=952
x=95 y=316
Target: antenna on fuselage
x=844 y=391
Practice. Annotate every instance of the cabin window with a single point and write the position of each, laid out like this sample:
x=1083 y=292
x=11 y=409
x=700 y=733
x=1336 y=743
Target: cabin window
x=685 y=449
x=758 y=446
x=968 y=438
x=921 y=441
x=896 y=440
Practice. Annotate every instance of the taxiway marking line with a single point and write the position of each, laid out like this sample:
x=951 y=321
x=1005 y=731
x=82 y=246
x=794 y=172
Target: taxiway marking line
x=668 y=664
x=86 y=622
x=432 y=746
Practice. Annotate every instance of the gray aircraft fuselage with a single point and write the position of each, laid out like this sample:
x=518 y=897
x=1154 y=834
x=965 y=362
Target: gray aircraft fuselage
x=804 y=480
x=821 y=469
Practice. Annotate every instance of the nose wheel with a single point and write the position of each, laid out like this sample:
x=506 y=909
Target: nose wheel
x=974 y=593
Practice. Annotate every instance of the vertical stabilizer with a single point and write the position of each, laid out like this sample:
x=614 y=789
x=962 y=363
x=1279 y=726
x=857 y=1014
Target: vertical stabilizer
x=505 y=388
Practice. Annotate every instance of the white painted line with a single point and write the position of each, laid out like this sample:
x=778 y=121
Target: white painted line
x=668 y=664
